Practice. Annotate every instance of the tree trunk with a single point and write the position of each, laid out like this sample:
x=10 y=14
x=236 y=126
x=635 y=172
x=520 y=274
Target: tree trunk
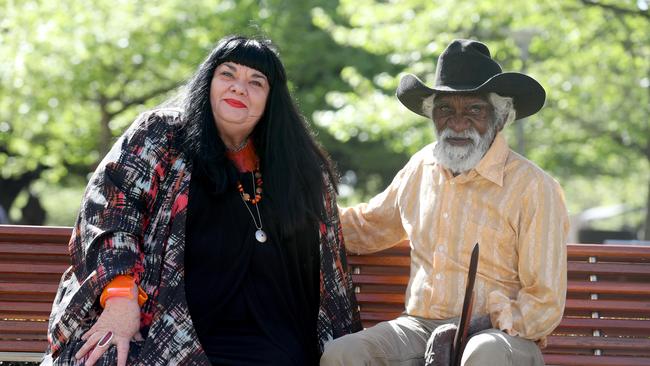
x=646 y=235
x=105 y=134
x=33 y=212
x=10 y=188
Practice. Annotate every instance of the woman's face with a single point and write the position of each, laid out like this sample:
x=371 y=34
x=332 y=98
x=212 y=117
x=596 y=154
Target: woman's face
x=238 y=97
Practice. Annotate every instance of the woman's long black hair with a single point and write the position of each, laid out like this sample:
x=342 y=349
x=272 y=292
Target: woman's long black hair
x=292 y=163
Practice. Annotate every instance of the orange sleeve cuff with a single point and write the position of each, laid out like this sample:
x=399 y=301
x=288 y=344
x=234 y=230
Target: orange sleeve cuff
x=122 y=286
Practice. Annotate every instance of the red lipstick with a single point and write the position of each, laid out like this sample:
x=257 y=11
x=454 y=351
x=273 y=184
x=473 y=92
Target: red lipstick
x=235 y=103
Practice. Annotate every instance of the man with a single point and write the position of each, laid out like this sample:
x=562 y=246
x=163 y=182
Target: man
x=468 y=187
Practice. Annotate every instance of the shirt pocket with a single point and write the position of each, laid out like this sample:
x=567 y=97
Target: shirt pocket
x=498 y=258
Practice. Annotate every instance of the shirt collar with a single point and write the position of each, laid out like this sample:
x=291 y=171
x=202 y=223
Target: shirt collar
x=491 y=166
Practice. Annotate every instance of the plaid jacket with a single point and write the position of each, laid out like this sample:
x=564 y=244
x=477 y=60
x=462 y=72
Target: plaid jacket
x=132 y=220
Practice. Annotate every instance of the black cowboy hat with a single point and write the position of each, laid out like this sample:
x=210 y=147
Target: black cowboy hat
x=467 y=67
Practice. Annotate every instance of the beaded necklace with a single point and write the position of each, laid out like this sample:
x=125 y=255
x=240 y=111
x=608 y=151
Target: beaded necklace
x=246 y=160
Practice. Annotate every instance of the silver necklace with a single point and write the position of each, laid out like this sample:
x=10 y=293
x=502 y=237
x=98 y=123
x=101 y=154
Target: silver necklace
x=240 y=147
x=260 y=235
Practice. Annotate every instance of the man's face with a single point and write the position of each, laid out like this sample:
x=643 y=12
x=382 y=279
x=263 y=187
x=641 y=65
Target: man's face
x=461 y=112
x=465 y=129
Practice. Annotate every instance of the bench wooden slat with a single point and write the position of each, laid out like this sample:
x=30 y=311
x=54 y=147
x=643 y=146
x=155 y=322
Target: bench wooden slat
x=23 y=346
x=361 y=279
x=633 y=253
x=599 y=343
x=606 y=324
x=390 y=261
x=23 y=327
x=48 y=289
x=600 y=268
x=47 y=249
x=637 y=307
x=609 y=287
x=30 y=309
x=379 y=316
x=384 y=298
x=31 y=268
x=579 y=360
x=31 y=234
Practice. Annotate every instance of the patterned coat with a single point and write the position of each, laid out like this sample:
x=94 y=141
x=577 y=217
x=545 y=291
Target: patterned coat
x=132 y=220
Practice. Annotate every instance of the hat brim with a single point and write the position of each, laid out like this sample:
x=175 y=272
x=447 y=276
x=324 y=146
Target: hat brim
x=527 y=94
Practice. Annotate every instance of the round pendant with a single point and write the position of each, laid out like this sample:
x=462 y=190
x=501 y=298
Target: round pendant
x=260 y=235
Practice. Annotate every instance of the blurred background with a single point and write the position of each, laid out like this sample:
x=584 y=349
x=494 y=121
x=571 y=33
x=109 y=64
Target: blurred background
x=75 y=73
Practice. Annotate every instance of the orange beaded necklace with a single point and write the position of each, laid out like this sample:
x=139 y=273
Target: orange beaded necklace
x=246 y=160
x=258 y=189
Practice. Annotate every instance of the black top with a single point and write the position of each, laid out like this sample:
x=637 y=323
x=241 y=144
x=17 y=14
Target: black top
x=251 y=303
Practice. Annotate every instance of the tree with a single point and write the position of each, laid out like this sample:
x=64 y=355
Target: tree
x=636 y=42
x=593 y=59
x=71 y=84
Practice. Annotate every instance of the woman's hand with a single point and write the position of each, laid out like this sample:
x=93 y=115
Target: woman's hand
x=118 y=324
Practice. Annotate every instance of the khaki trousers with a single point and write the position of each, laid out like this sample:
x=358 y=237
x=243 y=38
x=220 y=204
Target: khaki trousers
x=403 y=341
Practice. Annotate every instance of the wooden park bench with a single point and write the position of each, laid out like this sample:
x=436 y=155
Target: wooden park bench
x=32 y=260
x=606 y=321
x=607 y=315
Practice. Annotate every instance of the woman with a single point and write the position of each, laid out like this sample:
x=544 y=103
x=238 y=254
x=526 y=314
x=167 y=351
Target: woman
x=209 y=233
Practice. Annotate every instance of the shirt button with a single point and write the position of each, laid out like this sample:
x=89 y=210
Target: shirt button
x=438 y=276
x=452 y=183
x=445 y=215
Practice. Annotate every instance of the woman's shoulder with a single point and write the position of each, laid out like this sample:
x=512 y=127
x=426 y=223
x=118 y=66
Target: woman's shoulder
x=156 y=125
x=155 y=134
x=170 y=117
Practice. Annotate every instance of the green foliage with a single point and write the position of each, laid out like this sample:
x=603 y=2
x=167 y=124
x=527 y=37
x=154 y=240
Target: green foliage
x=594 y=63
x=68 y=66
x=74 y=74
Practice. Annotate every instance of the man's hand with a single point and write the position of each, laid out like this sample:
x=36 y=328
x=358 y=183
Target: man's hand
x=438 y=351
x=118 y=324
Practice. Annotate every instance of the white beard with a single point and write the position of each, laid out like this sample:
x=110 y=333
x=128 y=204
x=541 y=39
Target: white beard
x=460 y=159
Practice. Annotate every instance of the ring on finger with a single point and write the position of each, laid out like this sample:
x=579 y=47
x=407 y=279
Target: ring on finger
x=106 y=339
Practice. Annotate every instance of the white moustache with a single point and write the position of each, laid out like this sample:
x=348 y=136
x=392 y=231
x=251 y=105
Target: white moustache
x=470 y=133
x=462 y=158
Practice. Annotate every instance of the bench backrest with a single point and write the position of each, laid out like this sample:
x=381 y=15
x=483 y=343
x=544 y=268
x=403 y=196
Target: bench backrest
x=607 y=315
x=32 y=260
x=606 y=321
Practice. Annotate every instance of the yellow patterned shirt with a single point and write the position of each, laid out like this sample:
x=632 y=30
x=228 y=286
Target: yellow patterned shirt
x=507 y=204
